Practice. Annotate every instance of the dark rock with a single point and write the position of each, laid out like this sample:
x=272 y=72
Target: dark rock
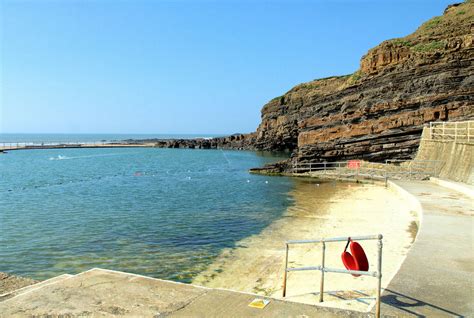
x=273 y=168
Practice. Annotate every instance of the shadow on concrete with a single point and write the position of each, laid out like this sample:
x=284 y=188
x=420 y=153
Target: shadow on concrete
x=410 y=305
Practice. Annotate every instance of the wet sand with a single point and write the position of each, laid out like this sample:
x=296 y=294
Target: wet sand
x=329 y=209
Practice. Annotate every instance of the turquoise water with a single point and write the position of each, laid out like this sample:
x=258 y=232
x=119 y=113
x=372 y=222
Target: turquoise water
x=165 y=213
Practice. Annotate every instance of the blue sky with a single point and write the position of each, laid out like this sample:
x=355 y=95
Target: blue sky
x=179 y=66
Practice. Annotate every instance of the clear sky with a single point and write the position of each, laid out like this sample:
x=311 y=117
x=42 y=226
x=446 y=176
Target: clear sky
x=143 y=66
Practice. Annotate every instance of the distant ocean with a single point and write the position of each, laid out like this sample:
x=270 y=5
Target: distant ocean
x=166 y=213
x=93 y=137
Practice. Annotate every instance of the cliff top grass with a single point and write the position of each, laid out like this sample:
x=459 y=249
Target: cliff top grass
x=456 y=21
x=431 y=37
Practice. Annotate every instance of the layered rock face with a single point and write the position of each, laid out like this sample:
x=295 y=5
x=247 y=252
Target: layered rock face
x=379 y=111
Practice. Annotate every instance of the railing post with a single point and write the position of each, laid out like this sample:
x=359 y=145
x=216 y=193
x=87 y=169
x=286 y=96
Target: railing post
x=321 y=287
x=444 y=131
x=468 y=131
x=377 y=274
x=455 y=132
x=379 y=280
x=286 y=271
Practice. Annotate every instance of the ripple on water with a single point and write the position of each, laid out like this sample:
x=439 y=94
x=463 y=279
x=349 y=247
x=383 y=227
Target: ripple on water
x=161 y=212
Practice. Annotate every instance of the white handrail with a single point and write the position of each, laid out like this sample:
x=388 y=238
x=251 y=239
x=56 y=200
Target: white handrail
x=392 y=168
x=10 y=145
x=458 y=131
x=377 y=274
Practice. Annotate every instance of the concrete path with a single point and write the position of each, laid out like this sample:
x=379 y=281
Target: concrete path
x=464 y=188
x=104 y=293
x=436 y=279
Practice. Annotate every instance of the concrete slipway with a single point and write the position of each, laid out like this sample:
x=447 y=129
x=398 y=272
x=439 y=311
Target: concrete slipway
x=105 y=293
x=436 y=279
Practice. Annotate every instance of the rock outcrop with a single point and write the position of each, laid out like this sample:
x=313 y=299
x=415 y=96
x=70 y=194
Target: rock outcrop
x=236 y=141
x=379 y=111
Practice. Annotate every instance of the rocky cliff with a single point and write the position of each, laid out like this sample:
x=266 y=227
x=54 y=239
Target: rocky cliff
x=379 y=111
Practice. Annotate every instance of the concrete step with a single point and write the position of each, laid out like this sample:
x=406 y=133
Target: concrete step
x=107 y=293
x=36 y=286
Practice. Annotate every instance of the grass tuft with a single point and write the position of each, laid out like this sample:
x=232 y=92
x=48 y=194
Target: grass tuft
x=402 y=42
x=431 y=24
x=355 y=77
x=276 y=98
x=309 y=85
x=429 y=47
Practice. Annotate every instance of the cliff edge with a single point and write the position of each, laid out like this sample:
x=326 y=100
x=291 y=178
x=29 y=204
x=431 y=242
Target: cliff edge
x=378 y=112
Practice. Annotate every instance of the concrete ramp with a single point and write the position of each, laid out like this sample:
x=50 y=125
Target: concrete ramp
x=437 y=276
x=105 y=293
x=455 y=157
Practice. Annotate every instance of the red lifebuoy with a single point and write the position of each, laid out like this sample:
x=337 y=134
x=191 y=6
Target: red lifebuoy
x=357 y=261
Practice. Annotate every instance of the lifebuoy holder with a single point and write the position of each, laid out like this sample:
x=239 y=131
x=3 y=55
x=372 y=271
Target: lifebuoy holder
x=356 y=260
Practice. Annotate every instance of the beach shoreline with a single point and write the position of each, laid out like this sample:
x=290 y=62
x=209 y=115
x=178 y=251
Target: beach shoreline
x=321 y=209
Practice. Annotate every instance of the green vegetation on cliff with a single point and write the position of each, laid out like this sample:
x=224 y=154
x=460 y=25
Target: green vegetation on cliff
x=378 y=112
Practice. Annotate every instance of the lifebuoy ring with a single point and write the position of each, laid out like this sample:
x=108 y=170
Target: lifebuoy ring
x=357 y=261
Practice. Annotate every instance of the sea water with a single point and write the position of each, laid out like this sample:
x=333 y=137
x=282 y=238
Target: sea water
x=166 y=213
x=39 y=138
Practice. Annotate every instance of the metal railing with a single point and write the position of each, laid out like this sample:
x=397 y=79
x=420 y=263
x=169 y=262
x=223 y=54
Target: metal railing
x=7 y=145
x=458 y=131
x=410 y=168
x=324 y=269
x=349 y=168
x=394 y=169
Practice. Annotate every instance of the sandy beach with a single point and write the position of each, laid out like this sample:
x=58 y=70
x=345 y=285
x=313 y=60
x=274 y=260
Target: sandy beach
x=330 y=209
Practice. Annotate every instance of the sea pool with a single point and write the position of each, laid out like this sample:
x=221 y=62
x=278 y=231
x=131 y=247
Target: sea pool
x=165 y=213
